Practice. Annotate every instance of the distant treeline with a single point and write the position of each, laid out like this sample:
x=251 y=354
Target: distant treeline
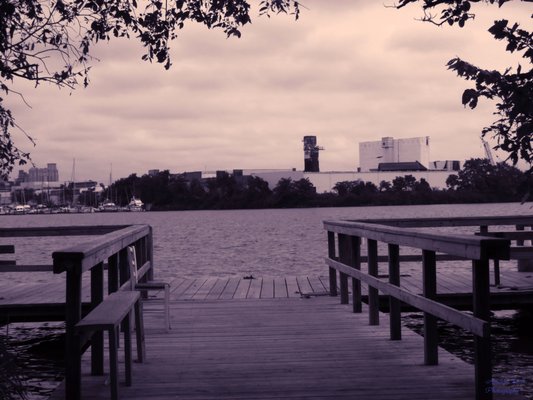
x=477 y=182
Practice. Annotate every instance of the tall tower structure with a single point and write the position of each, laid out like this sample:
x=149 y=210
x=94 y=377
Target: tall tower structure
x=311 y=154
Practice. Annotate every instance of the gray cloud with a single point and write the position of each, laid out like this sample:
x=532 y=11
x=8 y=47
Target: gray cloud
x=345 y=72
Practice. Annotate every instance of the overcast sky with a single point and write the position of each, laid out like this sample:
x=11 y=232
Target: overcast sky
x=347 y=71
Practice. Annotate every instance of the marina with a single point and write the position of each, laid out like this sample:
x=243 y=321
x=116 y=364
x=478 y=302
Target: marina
x=273 y=298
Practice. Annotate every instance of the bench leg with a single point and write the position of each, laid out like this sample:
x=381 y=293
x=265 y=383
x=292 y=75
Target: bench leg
x=167 y=311
x=113 y=361
x=139 y=332
x=127 y=349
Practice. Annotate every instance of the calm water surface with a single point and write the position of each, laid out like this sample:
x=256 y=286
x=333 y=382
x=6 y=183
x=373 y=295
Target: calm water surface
x=244 y=242
x=236 y=242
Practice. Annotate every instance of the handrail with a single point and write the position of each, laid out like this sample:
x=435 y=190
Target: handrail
x=59 y=230
x=344 y=255
x=475 y=325
x=460 y=245
x=453 y=221
x=98 y=250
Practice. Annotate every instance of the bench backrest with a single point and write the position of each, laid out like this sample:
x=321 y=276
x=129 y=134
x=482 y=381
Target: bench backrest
x=132 y=264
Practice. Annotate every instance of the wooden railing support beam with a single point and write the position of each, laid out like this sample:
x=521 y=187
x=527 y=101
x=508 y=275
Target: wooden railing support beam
x=394 y=304
x=97 y=340
x=373 y=293
x=431 y=336
x=482 y=354
x=72 y=340
x=356 y=283
x=344 y=256
x=332 y=271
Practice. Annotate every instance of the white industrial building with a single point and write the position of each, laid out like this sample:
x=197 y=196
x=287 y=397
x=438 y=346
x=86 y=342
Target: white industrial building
x=381 y=160
x=389 y=150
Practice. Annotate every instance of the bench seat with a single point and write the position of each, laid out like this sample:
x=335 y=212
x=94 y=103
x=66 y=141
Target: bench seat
x=108 y=316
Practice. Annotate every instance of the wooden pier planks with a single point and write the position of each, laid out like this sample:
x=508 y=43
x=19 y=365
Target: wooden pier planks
x=216 y=288
x=309 y=348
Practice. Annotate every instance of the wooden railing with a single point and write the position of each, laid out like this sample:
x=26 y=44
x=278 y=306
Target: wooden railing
x=111 y=249
x=344 y=256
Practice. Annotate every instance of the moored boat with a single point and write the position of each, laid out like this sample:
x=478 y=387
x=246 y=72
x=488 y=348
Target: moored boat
x=136 y=205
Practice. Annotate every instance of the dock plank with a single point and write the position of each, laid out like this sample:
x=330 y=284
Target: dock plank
x=254 y=292
x=267 y=290
x=217 y=289
x=231 y=287
x=316 y=285
x=282 y=349
x=204 y=290
x=192 y=289
x=304 y=285
x=280 y=288
x=292 y=286
x=242 y=290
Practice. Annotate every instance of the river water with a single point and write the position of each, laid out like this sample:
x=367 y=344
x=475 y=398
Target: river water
x=252 y=242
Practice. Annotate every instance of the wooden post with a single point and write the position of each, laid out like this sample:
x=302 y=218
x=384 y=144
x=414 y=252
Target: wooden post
x=520 y=242
x=344 y=254
x=394 y=304
x=496 y=272
x=431 y=337
x=123 y=267
x=332 y=271
x=73 y=341
x=373 y=294
x=112 y=274
x=356 y=283
x=97 y=340
x=482 y=355
x=150 y=248
x=485 y=229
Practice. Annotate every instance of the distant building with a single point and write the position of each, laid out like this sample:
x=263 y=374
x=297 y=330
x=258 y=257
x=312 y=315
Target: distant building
x=48 y=174
x=389 y=150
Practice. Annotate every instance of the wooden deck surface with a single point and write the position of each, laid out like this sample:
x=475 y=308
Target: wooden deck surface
x=301 y=348
x=225 y=288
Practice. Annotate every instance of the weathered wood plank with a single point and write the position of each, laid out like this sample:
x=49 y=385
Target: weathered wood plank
x=316 y=285
x=177 y=291
x=304 y=285
x=242 y=289
x=283 y=349
x=204 y=290
x=280 y=288
x=217 y=289
x=267 y=289
x=193 y=288
x=231 y=287
x=292 y=286
x=254 y=292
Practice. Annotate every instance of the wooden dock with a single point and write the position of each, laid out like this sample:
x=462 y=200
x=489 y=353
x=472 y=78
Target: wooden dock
x=37 y=301
x=298 y=348
x=515 y=288
x=277 y=338
x=288 y=337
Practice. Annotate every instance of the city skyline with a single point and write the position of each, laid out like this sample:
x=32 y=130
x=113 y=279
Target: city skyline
x=342 y=72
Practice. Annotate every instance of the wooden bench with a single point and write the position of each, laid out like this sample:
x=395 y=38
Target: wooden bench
x=107 y=316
